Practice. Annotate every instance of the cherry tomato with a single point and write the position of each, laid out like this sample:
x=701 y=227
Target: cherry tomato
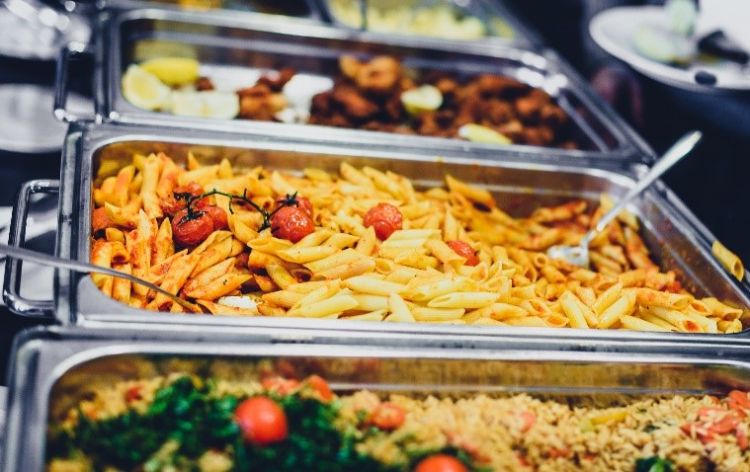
x=218 y=216
x=192 y=231
x=291 y=223
x=385 y=219
x=262 y=421
x=441 y=463
x=464 y=250
x=133 y=393
x=178 y=200
x=280 y=385
x=193 y=189
x=388 y=416
x=302 y=202
x=100 y=220
x=320 y=386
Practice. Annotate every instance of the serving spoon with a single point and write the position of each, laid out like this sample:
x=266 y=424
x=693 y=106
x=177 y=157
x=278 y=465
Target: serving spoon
x=579 y=255
x=53 y=261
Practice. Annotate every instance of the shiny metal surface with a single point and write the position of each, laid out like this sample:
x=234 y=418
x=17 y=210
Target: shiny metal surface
x=28 y=255
x=31 y=30
x=54 y=368
x=229 y=8
x=484 y=10
x=579 y=255
x=520 y=185
x=12 y=296
x=26 y=122
x=241 y=44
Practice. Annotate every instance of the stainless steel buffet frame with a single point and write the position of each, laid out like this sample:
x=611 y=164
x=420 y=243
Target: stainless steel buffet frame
x=53 y=367
x=520 y=184
x=268 y=43
x=522 y=35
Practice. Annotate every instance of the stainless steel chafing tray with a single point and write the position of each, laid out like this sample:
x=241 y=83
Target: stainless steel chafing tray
x=499 y=22
x=243 y=48
x=230 y=8
x=54 y=369
x=673 y=235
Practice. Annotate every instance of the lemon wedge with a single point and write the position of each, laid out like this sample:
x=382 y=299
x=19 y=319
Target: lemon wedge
x=173 y=71
x=422 y=99
x=144 y=89
x=186 y=103
x=207 y=104
x=482 y=134
x=217 y=104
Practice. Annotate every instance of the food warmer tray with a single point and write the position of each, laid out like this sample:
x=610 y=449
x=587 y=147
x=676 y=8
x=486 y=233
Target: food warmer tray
x=673 y=235
x=54 y=367
x=522 y=35
x=303 y=9
x=235 y=48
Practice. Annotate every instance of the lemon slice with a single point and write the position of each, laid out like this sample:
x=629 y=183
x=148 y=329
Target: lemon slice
x=173 y=71
x=217 y=104
x=422 y=99
x=143 y=89
x=482 y=134
x=187 y=103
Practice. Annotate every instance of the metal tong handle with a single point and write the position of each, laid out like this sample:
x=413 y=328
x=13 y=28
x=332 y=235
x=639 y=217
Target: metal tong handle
x=53 y=261
x=678 y=150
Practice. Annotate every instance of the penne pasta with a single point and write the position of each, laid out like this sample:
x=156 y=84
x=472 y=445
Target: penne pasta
x=368 y=245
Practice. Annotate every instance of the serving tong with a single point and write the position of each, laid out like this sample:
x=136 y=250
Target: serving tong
x=579 y=255
x=86 y=268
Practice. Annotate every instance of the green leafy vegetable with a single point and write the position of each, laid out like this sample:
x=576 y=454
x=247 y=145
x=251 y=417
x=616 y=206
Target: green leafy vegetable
x=653 y=464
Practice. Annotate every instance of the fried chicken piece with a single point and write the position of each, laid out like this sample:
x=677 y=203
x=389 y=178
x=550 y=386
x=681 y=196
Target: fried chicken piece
x=354 y=104
x=394 y=108
x=552 y=115
x=380 y=75
x=349 y=66
x=204 y=84
x=498 y=85
x=260 y=103
x=322 y=104
x=497 y=111
x=258 y=91
x=276 y=84
x=513 y=130
x=538 y=135
x=447 y=85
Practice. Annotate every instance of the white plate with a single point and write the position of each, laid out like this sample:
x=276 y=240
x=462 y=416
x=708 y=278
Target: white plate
x=614 y=30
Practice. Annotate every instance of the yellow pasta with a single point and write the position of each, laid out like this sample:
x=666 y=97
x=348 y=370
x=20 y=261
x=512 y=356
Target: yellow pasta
x=451 y=255
x=729 y=260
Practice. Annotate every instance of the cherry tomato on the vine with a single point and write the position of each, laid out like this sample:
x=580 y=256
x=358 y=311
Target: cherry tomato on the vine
x=291 y=223
x=218 y=216
x=301 y=202
x=385 y=219
x=193 y=230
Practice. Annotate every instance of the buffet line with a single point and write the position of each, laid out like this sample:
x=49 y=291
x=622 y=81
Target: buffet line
x=357 y=224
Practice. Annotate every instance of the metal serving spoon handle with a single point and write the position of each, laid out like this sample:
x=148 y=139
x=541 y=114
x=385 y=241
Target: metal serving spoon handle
x=673 y=155
x=579 y=254
x=53 y=261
